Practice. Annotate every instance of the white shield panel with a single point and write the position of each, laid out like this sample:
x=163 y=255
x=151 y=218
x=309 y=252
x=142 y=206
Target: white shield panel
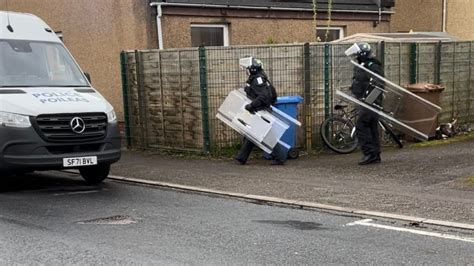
x=409 y=113
x=264 y=128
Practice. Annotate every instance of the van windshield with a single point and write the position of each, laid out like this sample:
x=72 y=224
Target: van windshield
x=37 y=64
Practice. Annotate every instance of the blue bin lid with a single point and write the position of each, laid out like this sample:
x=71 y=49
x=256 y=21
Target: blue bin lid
x=289 y=99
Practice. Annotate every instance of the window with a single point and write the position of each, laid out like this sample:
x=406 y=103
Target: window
x=334 y=33
x=37 y=64
x=209 y=35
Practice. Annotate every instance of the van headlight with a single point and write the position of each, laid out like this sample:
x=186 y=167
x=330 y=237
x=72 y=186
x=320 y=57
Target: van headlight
x=112 y=117
x=14 y=120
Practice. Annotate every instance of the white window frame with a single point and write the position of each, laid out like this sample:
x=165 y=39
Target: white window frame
x=224 y=26
x=341 y=30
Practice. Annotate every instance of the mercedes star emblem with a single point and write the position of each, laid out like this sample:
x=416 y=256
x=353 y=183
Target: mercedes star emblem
x=78 y=125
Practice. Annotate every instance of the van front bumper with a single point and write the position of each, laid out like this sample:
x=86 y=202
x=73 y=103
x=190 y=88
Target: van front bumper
x=22 y=149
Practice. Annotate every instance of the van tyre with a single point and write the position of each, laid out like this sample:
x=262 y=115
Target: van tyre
x=95 y=174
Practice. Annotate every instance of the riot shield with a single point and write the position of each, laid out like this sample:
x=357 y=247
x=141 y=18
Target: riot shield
x=397 y=106
x=264 y=128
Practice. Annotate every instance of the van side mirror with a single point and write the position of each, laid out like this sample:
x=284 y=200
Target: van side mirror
x=88 y=76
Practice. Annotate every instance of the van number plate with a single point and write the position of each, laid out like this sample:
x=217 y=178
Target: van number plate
x=79 y=161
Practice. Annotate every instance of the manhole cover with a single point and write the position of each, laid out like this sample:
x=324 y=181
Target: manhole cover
x=113 y=220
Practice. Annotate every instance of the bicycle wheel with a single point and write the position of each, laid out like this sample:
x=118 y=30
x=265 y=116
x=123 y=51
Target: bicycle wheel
x=337 y=134
x=388 y=130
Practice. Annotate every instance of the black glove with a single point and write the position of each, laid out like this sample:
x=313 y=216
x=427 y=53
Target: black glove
x=249 y=108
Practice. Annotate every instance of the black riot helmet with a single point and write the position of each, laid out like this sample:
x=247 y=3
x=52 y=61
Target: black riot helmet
x=361 y=50
x=256 y=67
x=252 y=65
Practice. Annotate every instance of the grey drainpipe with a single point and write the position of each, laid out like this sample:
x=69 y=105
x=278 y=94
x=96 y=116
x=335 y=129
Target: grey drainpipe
x=445 y=7
x=159 y=29
x=260 y=7
x=158 y=25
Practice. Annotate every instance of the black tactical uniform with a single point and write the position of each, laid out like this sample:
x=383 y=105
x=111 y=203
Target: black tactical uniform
x=367 y=123
x=263 y=95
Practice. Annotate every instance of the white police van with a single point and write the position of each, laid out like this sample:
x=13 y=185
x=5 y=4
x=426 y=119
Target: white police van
x=50 y=115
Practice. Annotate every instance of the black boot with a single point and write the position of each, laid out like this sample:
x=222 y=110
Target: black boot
x=369 y=159
x=239 y=161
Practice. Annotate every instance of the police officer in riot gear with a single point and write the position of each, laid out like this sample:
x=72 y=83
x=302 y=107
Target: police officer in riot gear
x=263 y=95
x=367 y=123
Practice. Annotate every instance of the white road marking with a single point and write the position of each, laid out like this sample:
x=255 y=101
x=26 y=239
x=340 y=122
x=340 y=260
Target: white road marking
x=367 y=222
x=361 y=222
x=76 y=192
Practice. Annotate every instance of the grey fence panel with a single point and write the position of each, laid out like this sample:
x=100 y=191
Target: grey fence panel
x=427 y=62
x=317 y=93
x=456 y=75
x=287 y=75
x=447 y=78
x=461 y=84
x=397 y=62
x=392 y=66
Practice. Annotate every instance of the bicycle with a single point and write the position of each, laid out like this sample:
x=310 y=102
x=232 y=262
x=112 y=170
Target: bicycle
x=338 y=131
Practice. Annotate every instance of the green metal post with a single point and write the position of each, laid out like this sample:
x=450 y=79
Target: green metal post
x=439 y=46
x=123 y=64
x=382 y=53
x=453 y=100
x=204 y=98
x=470 y=89
x=327 y=58
x=413 y=63
x=141 y=99
x=307 y=97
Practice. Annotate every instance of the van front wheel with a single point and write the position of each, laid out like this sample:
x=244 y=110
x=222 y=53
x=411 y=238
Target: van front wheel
x=95 y=174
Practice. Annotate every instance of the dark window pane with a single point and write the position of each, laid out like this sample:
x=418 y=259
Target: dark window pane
x=332 y=35
x=207 y=36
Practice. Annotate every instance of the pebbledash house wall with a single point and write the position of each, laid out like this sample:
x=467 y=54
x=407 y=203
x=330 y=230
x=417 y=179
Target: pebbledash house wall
x=427 y=15
x=96 y=31
x=417 y=15
x=258 y=27
x=460 y=19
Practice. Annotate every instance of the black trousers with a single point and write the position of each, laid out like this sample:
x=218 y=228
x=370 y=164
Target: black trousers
x=279 y=152
x=368 y=132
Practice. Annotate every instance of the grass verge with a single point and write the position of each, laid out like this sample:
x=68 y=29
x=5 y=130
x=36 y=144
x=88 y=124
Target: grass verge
x=470 y=180
x=461 y=138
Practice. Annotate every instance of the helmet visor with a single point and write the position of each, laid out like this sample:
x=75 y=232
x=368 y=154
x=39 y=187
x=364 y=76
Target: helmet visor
x=245 y=62
x=353 y=50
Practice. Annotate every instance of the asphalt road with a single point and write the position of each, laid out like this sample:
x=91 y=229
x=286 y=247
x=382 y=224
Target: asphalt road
x=54 y=218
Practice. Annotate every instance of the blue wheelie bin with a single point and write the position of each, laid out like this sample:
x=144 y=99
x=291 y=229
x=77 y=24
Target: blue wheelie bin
x=289 y=105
